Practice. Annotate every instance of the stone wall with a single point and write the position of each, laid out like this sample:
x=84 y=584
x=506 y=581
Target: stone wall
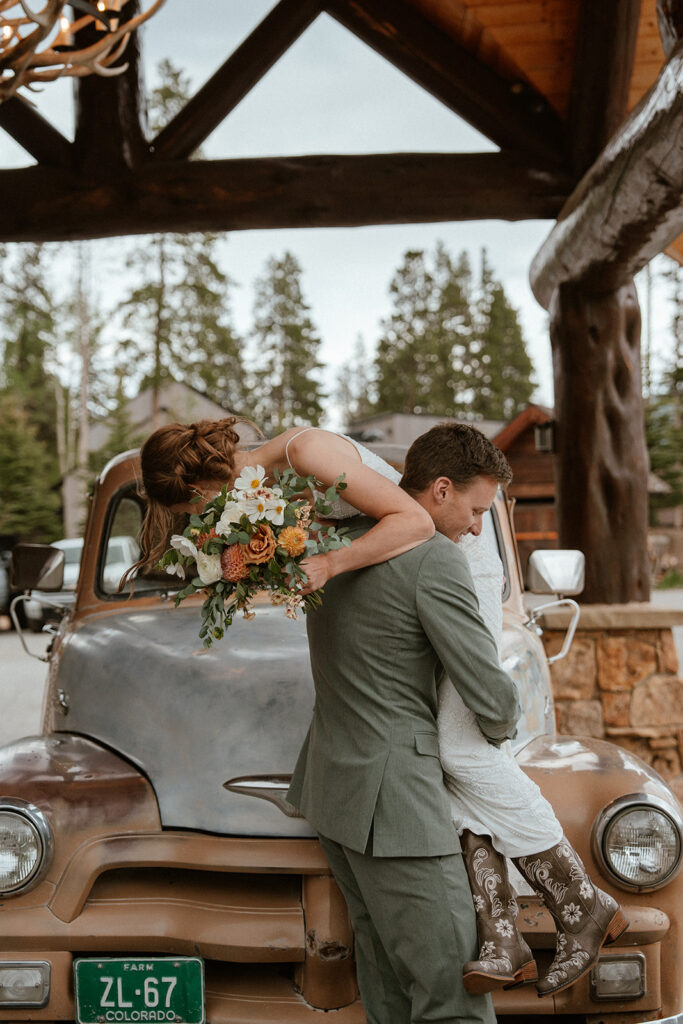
x=621 y=681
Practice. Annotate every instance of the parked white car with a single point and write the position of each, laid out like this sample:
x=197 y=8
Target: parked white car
x=122 y=552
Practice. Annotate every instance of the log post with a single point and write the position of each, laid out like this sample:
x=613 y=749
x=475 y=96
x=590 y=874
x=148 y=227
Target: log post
x=602 y=462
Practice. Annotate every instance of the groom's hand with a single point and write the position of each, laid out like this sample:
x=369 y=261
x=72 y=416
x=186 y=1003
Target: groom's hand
x=317 y=569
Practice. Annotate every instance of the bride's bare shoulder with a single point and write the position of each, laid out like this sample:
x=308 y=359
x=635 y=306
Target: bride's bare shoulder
x=309 y=449
x=312 y=441
x=279 y=444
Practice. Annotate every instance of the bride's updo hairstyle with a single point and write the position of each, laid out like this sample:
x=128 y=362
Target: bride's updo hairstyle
x=178 y=455
x=174 y=459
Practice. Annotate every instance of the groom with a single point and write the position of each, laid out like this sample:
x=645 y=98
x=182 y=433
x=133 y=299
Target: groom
x=368 y=777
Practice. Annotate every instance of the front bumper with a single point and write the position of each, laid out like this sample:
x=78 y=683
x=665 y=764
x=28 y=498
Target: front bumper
x=274 y=969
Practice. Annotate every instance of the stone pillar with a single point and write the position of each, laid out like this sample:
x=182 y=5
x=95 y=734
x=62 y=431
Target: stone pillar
x=621 y=682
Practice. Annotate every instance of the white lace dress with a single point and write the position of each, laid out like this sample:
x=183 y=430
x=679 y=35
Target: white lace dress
x=489 y=792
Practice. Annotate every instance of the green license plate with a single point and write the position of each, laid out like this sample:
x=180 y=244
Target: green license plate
x=136 y=989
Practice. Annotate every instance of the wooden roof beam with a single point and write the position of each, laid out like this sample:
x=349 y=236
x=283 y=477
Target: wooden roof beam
x=276 y=192
x=511 y=114
x=109 y=137
x=628 y=207
x=603 y=64
x=234 y=79
x=33 y=133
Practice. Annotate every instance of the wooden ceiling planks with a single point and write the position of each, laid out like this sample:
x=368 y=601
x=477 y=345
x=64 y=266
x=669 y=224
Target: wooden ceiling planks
x=535 y=40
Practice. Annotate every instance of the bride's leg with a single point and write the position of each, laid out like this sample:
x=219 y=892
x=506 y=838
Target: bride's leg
x=586 y=917
x=504 y=957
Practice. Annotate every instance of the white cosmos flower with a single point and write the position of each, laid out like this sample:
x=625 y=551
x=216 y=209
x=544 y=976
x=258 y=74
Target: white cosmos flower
x=184 y=545
x=208 y=568
x=176 y=569
x=275 y=511
x=256 y=508
x=250 y=479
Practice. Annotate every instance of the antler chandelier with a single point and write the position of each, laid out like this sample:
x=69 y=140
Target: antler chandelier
x=40 y=46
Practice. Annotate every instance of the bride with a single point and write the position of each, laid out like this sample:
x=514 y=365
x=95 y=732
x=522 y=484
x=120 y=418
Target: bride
x=450 y=479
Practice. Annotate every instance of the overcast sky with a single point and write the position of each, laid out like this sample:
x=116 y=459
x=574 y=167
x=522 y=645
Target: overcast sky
x=331 y=94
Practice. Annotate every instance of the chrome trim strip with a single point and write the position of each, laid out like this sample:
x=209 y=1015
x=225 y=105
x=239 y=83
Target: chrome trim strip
x=272 y=788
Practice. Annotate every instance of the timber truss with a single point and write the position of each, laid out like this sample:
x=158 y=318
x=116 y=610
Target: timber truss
x=113 y=180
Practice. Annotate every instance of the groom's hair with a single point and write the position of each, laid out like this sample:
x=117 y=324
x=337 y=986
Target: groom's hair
x=455 y=450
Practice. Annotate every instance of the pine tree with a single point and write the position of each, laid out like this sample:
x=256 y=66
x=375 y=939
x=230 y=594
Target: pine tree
x=30 y=506
x=28 y=319
x=177 y=317
x=121 y=434
x=453 y=329
x=403 y=363
x=78 y=389
x=664 y=415
x=353 y=393
x=286 y=390
x=501 y=372
x=447 y=351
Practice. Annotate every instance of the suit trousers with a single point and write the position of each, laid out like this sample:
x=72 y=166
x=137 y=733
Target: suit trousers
x=414 y=927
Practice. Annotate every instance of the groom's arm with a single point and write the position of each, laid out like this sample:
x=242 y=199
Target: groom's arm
x=449 y=613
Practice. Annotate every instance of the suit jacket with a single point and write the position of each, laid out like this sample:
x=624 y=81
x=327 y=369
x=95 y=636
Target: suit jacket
x=378 y=646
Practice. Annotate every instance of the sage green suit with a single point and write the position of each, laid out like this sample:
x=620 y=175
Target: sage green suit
x=369 y=780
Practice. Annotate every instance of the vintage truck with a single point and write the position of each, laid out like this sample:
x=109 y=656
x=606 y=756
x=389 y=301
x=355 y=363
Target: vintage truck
x=151 y=868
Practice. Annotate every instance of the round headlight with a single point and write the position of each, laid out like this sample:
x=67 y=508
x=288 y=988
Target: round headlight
x=25 y=845
x=639 y=839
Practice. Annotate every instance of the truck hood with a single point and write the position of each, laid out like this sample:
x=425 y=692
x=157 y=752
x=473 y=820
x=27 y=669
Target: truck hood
x=141 y=683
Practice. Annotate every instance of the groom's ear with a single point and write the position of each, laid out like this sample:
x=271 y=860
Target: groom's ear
x=440 y=488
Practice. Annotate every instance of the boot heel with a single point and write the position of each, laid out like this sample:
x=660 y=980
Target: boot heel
x=616 y=927
x=527 y=972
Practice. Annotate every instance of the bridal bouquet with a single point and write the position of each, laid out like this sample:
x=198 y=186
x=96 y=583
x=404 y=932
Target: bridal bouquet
x=251 y=539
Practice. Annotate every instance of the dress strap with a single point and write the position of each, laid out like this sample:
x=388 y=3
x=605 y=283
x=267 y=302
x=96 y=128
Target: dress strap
x=290 y=441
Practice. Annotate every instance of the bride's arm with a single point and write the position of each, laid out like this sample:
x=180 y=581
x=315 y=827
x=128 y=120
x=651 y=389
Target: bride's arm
x=402 y=523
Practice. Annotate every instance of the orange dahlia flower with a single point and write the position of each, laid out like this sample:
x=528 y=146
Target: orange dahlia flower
x=293 y=540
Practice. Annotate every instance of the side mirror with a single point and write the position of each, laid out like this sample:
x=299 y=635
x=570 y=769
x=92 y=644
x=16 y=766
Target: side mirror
x=36 y=567
x=556 y=572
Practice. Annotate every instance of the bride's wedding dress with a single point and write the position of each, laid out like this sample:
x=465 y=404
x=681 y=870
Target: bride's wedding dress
x=489 y=792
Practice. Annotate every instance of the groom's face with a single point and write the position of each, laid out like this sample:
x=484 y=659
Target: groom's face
x=457 y=511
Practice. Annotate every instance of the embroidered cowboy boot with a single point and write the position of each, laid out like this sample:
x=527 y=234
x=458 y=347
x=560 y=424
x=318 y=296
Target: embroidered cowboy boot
x=586 y=917
x=504 y=957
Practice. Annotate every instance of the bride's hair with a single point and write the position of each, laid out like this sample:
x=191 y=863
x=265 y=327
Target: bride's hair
x=173 y=460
